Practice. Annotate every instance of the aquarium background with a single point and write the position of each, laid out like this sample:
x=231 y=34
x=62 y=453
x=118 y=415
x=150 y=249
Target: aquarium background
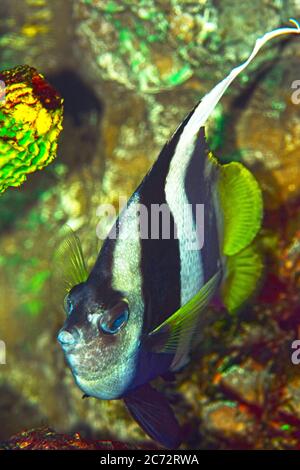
x=129 y=72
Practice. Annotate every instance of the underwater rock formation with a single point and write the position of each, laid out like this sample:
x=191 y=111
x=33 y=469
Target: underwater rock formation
x=149 y=45
x=47 y=439
x=34 y=32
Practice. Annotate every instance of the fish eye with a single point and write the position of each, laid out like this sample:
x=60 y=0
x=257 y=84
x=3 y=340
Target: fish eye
x=68 y=305
x=115 y=319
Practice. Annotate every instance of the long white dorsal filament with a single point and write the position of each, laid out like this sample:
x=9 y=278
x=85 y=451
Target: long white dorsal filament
x=209 y=102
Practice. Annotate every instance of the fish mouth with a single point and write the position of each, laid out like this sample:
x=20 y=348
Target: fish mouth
x=67 y=350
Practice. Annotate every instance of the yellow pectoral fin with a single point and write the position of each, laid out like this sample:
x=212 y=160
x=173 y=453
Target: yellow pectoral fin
x=241 y=203
x=244 y=271
x=178 y=329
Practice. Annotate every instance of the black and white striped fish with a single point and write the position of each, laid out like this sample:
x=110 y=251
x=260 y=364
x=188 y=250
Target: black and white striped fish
x=137 y=315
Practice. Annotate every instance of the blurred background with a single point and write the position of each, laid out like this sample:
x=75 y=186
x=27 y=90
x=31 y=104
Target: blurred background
x=129 y=72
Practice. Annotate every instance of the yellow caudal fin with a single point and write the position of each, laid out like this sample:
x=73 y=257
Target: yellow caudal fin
x=241 y=204
x=243 y=273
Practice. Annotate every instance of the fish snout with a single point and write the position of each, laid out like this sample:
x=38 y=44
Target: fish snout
x=68 y=338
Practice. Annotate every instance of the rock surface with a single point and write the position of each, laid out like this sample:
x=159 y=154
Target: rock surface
x=46 y=439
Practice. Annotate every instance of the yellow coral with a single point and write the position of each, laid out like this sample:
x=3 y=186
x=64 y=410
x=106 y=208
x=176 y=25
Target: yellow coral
x=30 y=123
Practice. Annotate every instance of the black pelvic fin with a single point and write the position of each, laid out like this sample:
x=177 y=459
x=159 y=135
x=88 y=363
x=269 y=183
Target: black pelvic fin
x=153 y=413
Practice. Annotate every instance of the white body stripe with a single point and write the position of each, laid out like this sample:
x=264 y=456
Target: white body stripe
x=126 y=277
x=191 y=274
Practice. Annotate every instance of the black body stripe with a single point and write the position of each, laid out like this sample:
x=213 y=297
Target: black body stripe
x=199 y=190
x=160 y=259
x=100 y=278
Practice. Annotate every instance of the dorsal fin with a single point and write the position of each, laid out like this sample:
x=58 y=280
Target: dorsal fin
x=70 y=260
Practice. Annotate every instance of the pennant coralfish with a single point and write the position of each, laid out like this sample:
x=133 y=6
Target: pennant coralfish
x=139 y=312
